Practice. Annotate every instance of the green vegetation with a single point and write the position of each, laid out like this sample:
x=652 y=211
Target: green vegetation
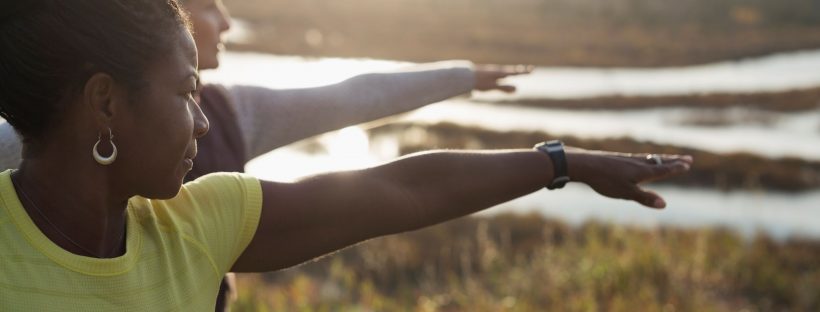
x=527 y=263
x=540 y=32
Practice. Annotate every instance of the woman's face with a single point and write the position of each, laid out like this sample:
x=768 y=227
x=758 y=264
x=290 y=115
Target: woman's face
x=210 y=20
x=158 y=130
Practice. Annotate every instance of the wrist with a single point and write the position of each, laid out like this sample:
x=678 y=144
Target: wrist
x=578 y=164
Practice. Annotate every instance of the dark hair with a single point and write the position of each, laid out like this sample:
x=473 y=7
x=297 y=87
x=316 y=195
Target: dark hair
x=50 y=48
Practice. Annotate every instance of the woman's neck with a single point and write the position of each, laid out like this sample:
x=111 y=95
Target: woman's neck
x=75 y=204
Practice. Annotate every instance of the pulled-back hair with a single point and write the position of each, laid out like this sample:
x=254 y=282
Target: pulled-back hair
x=50 y=48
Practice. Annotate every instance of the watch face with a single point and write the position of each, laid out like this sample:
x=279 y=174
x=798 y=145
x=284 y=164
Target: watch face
x=554 y=148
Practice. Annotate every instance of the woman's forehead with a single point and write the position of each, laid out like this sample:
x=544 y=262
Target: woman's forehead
x=187 y=3
x=188 y=47
x=179 y=63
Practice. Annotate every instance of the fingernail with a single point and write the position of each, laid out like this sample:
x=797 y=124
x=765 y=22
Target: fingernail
x=687 y=158
x=659 y=203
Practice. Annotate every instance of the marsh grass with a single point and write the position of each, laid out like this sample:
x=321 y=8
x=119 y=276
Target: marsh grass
x=528 y=263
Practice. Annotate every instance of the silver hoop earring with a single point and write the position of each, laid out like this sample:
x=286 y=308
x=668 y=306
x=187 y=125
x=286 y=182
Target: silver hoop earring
x=105 y=160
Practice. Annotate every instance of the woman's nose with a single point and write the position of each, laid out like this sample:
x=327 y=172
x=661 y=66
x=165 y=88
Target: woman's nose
x=201 y=124
x=225 y=19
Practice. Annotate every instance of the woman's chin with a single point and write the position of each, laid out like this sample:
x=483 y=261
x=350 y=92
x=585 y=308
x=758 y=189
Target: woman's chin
x=209 y=62
x=167 y=192
x=171 y=187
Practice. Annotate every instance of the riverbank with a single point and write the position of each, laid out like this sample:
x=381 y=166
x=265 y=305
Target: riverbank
x=712 y=170
x=787 y=101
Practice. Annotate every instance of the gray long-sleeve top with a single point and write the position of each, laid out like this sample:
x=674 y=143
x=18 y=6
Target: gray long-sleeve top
x=271 y=118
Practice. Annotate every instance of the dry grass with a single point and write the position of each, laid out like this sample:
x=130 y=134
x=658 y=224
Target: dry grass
x=527 y=263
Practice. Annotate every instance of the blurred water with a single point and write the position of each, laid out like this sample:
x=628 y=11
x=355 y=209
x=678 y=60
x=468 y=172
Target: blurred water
x=795 y=134
x=779 y=72
x=780 y=215
x=782 y=134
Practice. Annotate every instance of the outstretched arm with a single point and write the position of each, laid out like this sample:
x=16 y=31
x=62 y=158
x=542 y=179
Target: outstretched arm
x=321 y=214
x=273 y=118
x=10 y=147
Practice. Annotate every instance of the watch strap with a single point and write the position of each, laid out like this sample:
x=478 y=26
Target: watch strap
x=555 y=150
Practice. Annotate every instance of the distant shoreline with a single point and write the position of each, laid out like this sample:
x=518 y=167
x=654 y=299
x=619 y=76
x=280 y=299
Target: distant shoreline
x=719 y=171
x=615 y=33
x=787 y=101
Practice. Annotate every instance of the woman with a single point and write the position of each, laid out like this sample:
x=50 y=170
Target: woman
x=240 y=115
x=241 y=128
x=97 y=218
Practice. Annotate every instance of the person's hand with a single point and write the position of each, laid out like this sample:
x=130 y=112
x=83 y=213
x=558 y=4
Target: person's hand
x=617 y=175
x=487 y=77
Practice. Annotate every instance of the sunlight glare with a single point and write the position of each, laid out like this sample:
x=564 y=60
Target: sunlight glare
x=348 y=148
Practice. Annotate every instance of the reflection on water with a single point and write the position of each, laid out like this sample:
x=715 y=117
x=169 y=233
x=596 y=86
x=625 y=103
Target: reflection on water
x=778 y=72
x=784 y=134
x=778 y=134
x=780 y=215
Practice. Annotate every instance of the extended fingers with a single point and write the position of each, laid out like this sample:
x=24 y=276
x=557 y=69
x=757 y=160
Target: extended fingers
x=501 y=71
x=657 y=172
x=661 y=166
x=648 y=198
x=506 y=88
x=654 y=159
x=488 y=77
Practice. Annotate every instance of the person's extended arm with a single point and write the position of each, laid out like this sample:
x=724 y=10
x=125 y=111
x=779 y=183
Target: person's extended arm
x=324 y=213
x=273 y=118
x=10 y=147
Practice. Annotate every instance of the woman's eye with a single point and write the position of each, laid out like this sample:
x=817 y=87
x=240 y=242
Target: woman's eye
x=194 y=96
x=191 y=96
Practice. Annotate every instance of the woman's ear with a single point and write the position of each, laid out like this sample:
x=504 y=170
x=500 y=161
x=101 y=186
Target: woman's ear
x=101 y=96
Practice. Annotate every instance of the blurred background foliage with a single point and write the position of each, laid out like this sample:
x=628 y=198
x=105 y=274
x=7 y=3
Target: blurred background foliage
x=540 y=32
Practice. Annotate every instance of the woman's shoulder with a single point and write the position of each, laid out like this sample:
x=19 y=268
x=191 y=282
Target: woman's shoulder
x=210 y=196
x=218 y=180
x=204 y=189
x=217 y=189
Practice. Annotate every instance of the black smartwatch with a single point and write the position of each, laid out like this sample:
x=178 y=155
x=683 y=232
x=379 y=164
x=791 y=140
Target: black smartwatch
x=555 y=150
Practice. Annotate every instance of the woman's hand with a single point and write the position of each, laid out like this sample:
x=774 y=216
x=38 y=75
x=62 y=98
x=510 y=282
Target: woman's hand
x=487 y=76
x=617 y=175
